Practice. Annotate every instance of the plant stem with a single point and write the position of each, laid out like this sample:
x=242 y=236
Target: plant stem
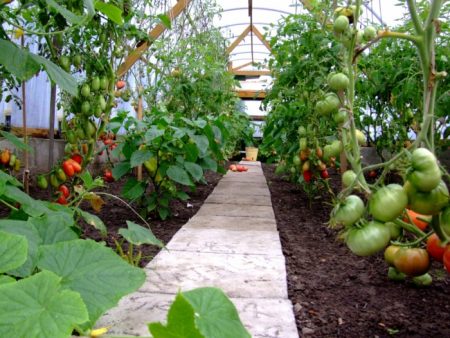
x=414 y=16
x=9 y=205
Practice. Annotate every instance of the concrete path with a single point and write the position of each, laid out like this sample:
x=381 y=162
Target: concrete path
x=231 y=243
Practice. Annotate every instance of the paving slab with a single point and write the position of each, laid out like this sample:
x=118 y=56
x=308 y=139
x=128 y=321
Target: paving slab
x=231 y=223
x=237 y=177
x=242 y=190
x=236 y=210
x=242 y=186
x=226 y=241
x=263 y=318
x=252 y=276
x=219 y=198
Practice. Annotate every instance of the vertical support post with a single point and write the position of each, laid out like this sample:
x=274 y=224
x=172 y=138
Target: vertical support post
x=26 y=172
x=139 y=117
x=51 y=129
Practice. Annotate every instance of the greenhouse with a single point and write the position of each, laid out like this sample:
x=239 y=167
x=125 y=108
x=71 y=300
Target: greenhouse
x=224 y=168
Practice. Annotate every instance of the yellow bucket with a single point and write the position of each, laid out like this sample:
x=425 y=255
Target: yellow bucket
x=251 y=153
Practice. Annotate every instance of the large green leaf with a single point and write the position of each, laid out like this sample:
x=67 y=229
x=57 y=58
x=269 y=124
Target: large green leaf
x=63 y=79
x=54 y=227
x=4 y=177
x=13 y=251
x=17 y=142
x=27 y=230
x=38 y=306
x=120 y=169
x=194 y=169
x=179 y=175
x=180 y=322
x=6 y=279
x=208 y=163
x=139 y=157
x=202 y=143
x=17 y=60
x=32 y=207
x=68 y=15
x=153 y=133
x=114 y=13
x=138 y=235
x=133 y=189
x=93 y=270
x=216 y=316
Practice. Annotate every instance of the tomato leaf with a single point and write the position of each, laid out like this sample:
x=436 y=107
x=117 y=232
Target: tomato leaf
x=17 y=61
x=120 y=169
x=113 y=13
x=68 y=15
x=139 y=157
x=139 y=235
x=194 y=169
x=17 y=142
x=179 y=175
x=133 y=189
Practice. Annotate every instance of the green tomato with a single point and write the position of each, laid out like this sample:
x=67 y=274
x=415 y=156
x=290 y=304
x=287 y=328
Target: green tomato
x=370 y=33
x=336 y=148
x=427 y=203
x=331 y=103
x=71 y=137
x=64 y=61
x=301 y=131
x=444 y=220
x=388 y=202
x=348 y=177
x=303 y=143
x=368 y=240
x=77 y=61
x=360 y=137
x=338 y=82
x=389 y=254
x=341 y=24
x=296 y=160
x=320 y=107
x=95 y=83
x=85 y=90
x=42 y=182
x=101 y=102
x=349 y=211
x=340 y=116
x=424 y=173
x=104 y=82
x=85 y=107
x=395 y=229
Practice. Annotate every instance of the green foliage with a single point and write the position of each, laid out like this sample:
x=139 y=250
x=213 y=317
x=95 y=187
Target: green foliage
x=202 y=312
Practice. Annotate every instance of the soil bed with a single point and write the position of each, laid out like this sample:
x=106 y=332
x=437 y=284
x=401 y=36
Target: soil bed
x=337 y=294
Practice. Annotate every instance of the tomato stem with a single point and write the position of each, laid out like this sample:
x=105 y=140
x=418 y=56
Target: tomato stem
x=436 y=226
x=409 y=227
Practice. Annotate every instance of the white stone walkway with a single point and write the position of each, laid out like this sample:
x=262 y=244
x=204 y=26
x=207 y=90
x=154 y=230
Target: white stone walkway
x=231 y=243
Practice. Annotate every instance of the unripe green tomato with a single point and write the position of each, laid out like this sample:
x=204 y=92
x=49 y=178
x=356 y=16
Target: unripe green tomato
x=95 y=83
x=339 y=81
x=341 y=24
x=64 y=61
x=77 y=61
x=85 y=107
x=370 y=33
x=85 y=90
x=104 y=82
x=341 y=116
x=101 y=102
x=348 y=178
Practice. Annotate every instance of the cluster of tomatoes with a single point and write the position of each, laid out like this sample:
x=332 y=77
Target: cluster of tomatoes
x=238 y=167
x=311 y=164
x=9 y=160
x=109 y=140
x=60 y=175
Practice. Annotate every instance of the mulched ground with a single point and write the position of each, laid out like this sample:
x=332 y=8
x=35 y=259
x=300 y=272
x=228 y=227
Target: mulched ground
x=337 y=294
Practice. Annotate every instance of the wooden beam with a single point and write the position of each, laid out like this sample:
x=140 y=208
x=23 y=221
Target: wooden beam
x=153 y=35
x=257 y=117
x=238 y=39
x=242 y=66
x=261 y=38
x=250 y=94
x=251 y=72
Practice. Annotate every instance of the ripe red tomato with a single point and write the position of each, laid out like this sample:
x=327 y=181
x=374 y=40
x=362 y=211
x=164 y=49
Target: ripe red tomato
x=107 y=176
x=61 y=200
x=412 y=261
x=76 y=166
x=68 y=168
x=77 y=158
x=446 y=259
x=324 y=174
x=307 y=175
x=120 y=84
x=372 y=174
x=64 y=190
x=422 y=225
x=434 y=247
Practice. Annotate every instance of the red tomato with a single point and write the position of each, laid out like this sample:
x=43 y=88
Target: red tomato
x=76 y=166
x=307 y=175
x=434 y=247
x=412 y=261
x=68 y=168
x=64 y=190
x=61 y=200
x=107 y=176
x=324 y=174
x=372 y=174
x=422 y=225
x=233 y=167
x=446 y=259
x=77 y=158
x=120 y=84
x=108 y=142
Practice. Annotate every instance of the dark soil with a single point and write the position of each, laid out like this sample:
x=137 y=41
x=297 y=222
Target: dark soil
x=338 y=294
